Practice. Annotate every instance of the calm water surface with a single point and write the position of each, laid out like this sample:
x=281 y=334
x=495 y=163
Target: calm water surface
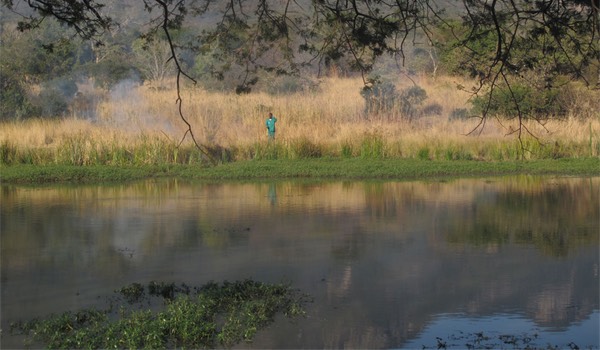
x=389 y=264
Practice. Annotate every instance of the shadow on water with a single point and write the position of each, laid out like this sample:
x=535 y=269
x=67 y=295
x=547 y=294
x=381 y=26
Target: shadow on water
x=384 y=261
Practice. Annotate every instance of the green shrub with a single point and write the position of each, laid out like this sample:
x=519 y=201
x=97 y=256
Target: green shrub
x=120 y=156
x=8 y=153
x=288 y=84
x=459 y=114
x=271 y=151
x=579 y=100
x=423 y=153
x=50 y=103
x=433 y=109
x=54 y=98
x=410 y=100
x=519 y=98
x=380 y=97
x=346 y=151
x=14 y=103
x=372 y=147
x=73 y=150
x=304 y=148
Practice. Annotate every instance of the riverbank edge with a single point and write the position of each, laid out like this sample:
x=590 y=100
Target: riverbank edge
x=322 y=168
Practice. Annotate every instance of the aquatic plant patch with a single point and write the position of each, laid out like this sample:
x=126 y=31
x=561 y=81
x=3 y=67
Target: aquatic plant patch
x=166 y=315
x=481 y=340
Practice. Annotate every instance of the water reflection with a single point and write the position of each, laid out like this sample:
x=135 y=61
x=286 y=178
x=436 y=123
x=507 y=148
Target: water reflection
x=512 y=336
x=382 y=259
x=273 y=193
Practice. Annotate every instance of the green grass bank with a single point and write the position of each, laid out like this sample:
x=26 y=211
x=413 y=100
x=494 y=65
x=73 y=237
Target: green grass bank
x=322 y=168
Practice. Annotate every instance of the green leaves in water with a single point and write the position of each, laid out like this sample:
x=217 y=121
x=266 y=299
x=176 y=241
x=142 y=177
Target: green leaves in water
x=206 y=317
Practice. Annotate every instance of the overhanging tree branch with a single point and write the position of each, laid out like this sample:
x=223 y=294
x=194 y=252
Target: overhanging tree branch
x=180 y=73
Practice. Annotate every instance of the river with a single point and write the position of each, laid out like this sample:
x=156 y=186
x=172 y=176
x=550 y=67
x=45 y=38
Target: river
x=389 y=264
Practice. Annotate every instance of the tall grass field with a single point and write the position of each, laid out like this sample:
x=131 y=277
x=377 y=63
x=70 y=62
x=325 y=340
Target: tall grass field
x=139 y=125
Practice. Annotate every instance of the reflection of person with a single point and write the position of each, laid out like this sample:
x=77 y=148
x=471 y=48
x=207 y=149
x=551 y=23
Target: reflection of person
x=271 y=126
x=272 y=194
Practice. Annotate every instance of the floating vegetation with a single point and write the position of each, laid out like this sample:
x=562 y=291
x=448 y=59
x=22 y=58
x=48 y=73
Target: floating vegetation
x=177 y=316
x=481 y=340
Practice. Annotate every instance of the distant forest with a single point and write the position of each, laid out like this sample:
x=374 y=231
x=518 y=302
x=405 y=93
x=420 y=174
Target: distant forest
x=45 y=64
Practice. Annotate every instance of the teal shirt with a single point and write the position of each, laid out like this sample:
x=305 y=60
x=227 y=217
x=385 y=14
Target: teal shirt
x=271 y=125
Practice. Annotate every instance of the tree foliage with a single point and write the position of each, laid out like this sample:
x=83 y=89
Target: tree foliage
x=506 y=36
x=497 y=41
x=13 y=100
x=152 y=56
x=530 y=102
x=40 y=59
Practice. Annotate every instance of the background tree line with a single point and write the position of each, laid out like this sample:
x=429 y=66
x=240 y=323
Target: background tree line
x=532 y=59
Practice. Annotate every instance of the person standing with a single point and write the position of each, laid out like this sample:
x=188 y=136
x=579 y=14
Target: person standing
x=271 y=126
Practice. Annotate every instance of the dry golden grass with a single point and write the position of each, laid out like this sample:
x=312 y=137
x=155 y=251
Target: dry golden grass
x=332 y=118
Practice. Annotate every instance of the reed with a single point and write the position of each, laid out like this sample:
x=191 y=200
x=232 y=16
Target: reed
x=143 y=127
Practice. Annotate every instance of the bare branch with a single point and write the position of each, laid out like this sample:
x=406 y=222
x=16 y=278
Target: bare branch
x=180 y=73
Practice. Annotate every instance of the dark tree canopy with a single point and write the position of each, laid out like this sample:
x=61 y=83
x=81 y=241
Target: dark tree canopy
x=502 y=40
x=284 y=35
